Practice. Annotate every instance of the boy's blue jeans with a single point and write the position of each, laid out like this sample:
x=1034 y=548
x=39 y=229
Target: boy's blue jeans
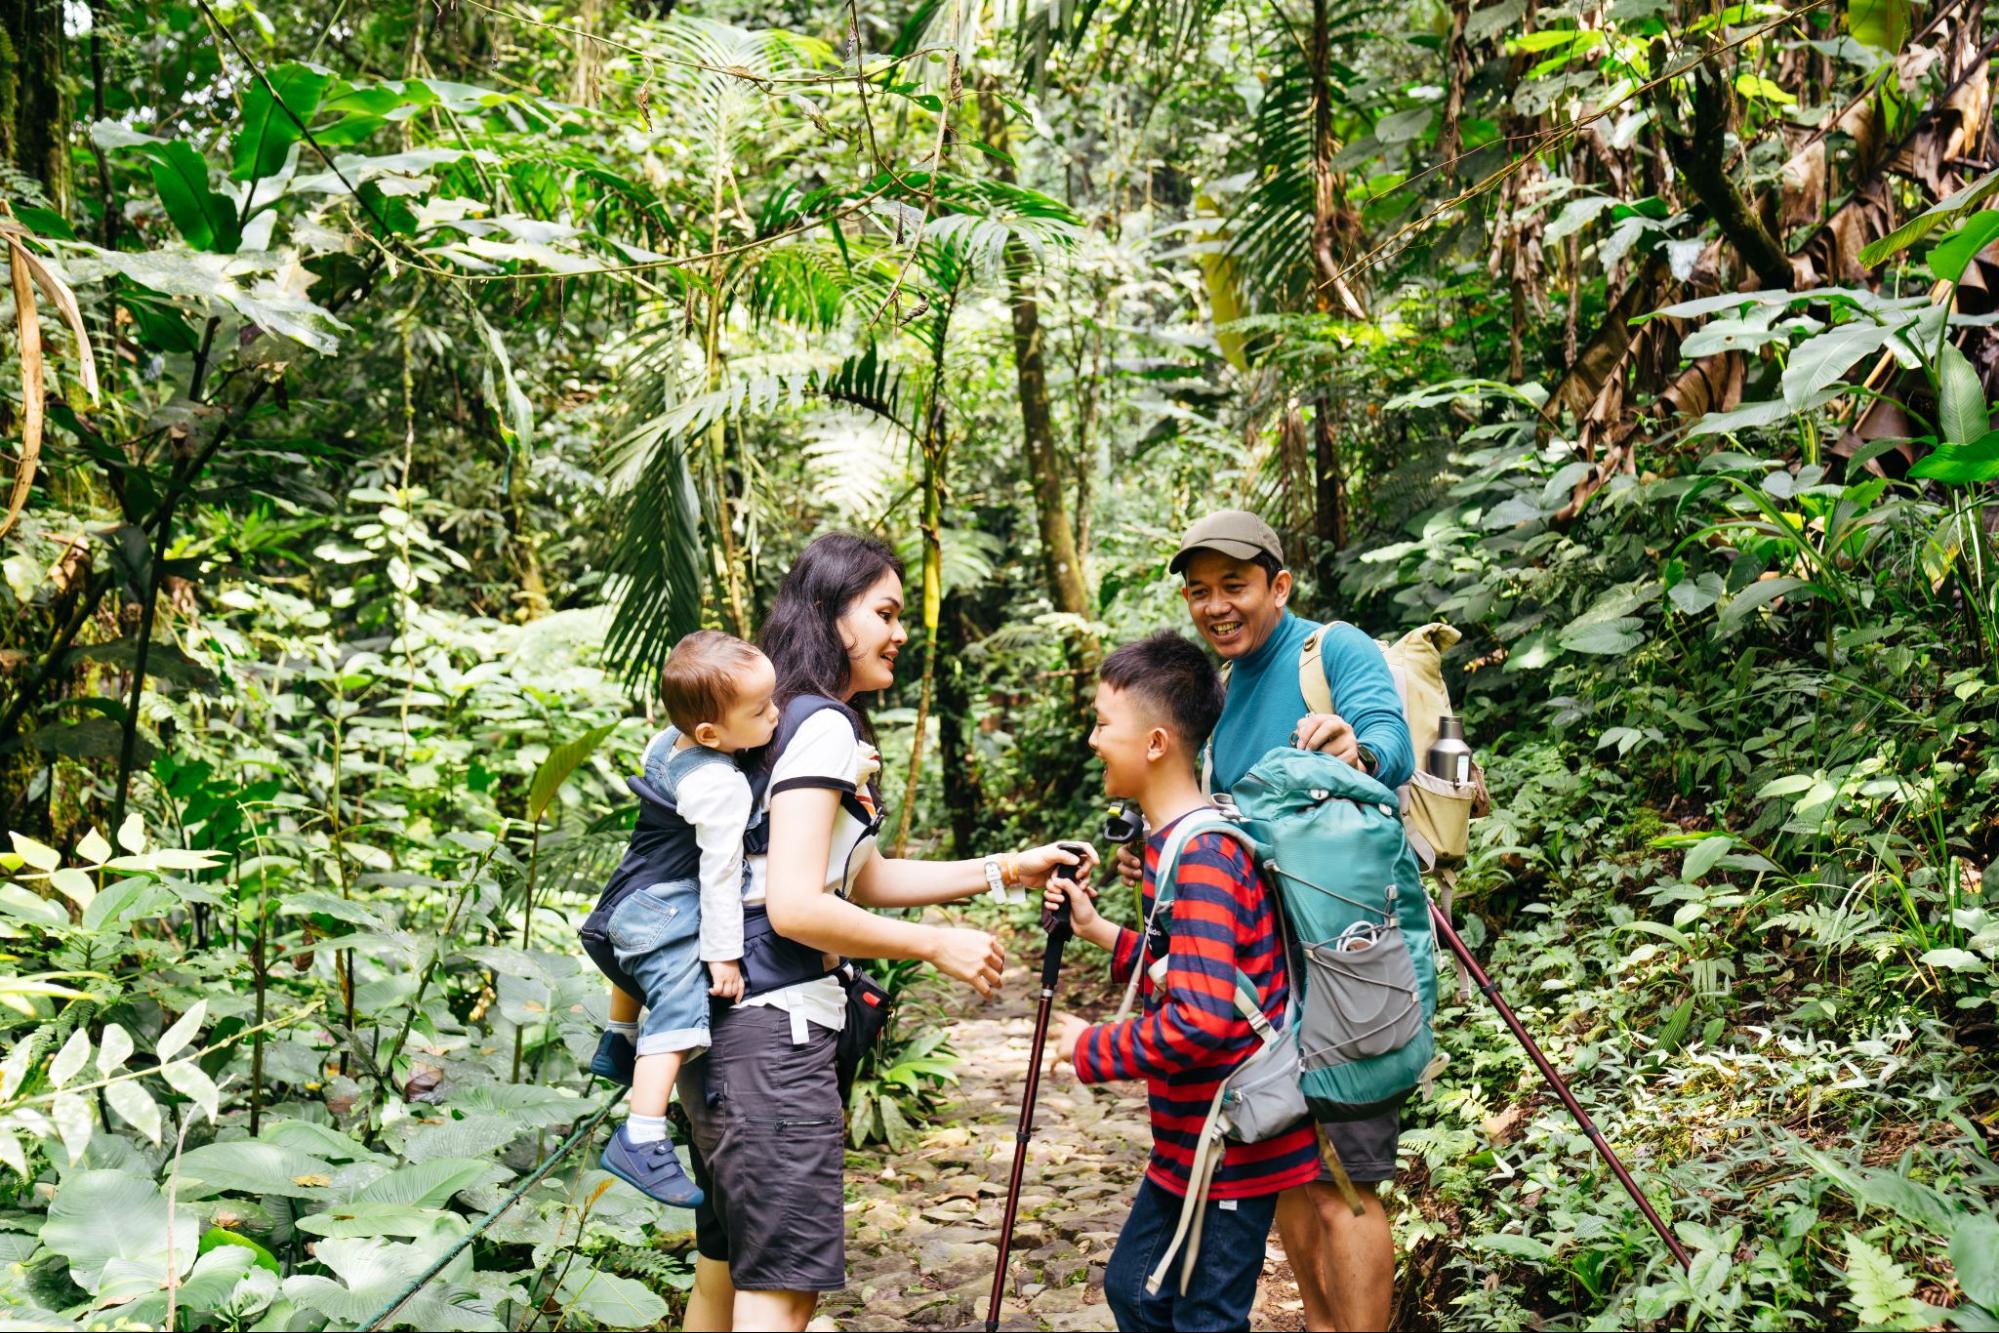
x=1223 y=1287
x=656 y=935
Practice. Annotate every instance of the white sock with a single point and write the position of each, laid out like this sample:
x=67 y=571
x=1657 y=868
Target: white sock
x=645 y=1128
x=629 y=1031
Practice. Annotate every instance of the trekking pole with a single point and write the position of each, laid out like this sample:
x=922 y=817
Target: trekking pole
x=1527 y=1043
x=1056 y=922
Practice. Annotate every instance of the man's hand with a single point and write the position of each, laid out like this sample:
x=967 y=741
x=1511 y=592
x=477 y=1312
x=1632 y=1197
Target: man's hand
x=1069 y=1030
x=725 y=980
x=1130 y=866
x=1328 y=732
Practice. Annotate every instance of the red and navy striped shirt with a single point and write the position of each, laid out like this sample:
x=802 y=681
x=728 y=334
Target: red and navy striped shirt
x=1190 y=1037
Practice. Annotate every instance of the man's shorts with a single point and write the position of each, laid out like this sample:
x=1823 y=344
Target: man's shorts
x=1366 y=1147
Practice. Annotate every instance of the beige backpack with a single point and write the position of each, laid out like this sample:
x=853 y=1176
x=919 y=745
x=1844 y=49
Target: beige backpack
x=1436 y=811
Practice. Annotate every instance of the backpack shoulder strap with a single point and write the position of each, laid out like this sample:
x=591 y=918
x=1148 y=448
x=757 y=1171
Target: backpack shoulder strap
x=1201 y=821
x=1312 y=672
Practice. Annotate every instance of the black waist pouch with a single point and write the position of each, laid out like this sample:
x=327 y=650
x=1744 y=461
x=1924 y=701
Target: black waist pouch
x=867 y=1014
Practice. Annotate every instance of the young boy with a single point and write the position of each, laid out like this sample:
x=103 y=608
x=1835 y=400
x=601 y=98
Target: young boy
x=676 y=901
x=1157 y=700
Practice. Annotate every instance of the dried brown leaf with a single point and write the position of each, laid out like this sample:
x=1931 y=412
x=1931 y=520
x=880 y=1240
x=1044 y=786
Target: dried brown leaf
x=33 y=386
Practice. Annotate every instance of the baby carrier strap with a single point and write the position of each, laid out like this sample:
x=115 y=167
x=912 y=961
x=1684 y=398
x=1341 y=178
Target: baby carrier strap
x=772 y=961
x=795 y=715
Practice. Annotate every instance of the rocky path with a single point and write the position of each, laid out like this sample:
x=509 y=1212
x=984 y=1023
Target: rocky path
x=923 y=1223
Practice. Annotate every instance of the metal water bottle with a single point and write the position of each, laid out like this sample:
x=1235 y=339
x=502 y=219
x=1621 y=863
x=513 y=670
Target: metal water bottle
x=1449 y=757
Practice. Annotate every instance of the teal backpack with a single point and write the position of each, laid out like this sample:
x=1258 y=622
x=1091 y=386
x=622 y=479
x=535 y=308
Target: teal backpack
x=1362 y=949
x=1355 y=1036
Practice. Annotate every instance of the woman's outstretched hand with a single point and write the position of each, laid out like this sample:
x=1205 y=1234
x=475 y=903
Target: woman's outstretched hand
x=972 y=956
x=1036 y=864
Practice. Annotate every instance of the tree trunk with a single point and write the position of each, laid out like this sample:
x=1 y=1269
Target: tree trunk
x=934 y=447
x=1330 y=509
x=960 y=774
x=34 y=96
x=1060 y=563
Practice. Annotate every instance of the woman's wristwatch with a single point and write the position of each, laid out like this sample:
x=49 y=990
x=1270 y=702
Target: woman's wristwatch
x=997 y=877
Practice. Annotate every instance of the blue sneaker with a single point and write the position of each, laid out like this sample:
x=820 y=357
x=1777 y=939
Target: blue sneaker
x=653 y=1169
x=614 y=1058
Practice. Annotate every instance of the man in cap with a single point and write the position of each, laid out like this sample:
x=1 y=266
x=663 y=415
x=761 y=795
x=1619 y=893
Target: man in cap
x=1233 y=577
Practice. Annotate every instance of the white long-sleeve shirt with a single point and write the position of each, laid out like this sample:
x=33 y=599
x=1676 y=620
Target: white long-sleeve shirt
x=715 y=799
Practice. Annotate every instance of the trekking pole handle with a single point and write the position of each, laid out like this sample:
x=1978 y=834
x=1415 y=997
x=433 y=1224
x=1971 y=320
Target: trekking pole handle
x=1055 y=920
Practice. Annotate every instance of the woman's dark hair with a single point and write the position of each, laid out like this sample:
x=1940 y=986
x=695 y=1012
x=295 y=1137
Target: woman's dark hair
x=801 y=635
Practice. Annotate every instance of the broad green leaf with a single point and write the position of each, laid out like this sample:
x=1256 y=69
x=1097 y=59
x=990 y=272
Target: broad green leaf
x=1818 y=364
x=610 y=1300
x=426 y=1184
x=217 y=1237
x=135 y=1106
x=373 y=1272
x=1758 y=594
x=206 y=219
x=1881 y=24
x=1961 y=464
x=218 y=280
x=1750 y=416
x=73 y=884
x=1517 y=1247
x=268 y=133
x=251 y=1166
x=1696 y=595
x=1961 y=412
x=1709 y=305
x=1940 y=214
x=188 y=1079
x=1763 y=90
x=563 y=760
x=1702 y=856
x=181 y=1033
x=74 y=1122
x=70 y=1058
x=1956 y=960
x=93 y=848
x=381 y=1219
x=1949 y=258
x=99 y=1217
x=1575 y=215
x=1974 y=1253
x=39 y=856
x=1789 y=785
x=132 y=834
x=1619 y=635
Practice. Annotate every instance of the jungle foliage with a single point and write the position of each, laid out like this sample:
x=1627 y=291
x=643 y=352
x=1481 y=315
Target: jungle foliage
x=386 y=385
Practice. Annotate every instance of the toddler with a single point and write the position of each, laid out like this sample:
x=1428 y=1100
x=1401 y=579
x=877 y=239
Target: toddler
x=675 y=902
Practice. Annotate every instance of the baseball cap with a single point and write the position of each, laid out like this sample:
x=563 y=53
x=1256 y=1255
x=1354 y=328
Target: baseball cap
x=1233 y=532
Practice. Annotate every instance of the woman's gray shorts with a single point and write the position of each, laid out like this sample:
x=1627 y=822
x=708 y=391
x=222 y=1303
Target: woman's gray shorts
x=769 y=1150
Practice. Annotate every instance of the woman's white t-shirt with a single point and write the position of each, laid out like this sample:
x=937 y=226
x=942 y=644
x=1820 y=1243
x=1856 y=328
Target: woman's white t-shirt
x=822 y=753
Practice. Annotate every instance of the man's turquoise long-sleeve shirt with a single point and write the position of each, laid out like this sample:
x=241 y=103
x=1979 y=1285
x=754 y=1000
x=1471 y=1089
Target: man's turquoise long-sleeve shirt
x=1265 y=703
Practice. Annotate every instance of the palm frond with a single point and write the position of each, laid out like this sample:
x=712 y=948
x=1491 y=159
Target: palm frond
x=658 y=561
x=664 y=542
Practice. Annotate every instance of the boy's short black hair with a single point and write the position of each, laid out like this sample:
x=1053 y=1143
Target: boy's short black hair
x=1173 y=675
